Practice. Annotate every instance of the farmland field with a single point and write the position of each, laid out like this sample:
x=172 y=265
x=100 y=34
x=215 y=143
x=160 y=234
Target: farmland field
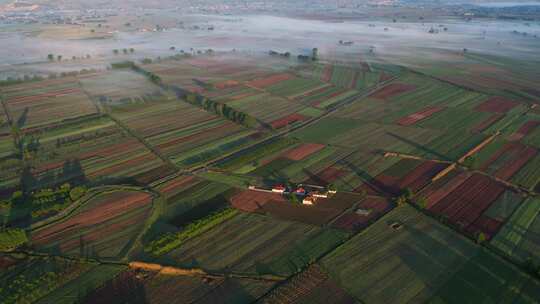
x=91 y=149
x=422 y=261
x=102 y=227
x=149 y=287
x=236 y=245
x=518 y=238
x=119 y=86
x=185 y=134
x=46 y=102
x=269 y=152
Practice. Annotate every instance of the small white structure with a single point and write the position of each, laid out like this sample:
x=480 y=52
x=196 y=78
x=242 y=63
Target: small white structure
x=308 y=200
x=319 y=194
x=363 y=212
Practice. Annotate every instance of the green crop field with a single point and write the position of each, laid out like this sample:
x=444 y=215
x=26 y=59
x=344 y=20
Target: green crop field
x=237 y=245
x=422 y=261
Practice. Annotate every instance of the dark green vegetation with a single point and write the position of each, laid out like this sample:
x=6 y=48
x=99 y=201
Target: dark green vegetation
x=152 y=183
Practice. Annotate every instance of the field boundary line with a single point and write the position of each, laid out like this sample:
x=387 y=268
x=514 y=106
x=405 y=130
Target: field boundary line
x=143 y=141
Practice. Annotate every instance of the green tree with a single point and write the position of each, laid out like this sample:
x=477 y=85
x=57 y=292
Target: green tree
x=422 y=202
x=77 y=193
x=481 y=238
x=115 y=51
x=12 y=238
x=401 y=201
x=50 y=57
x=59 y=58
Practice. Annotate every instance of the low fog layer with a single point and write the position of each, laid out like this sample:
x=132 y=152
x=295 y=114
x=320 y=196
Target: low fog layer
x=258 y=34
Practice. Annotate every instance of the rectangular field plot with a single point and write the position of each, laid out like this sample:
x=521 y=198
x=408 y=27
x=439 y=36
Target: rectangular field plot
x=36 y=104
x=185 y=134
x=151 y=287
x=29 y=280
x=350 y=77
x=353 y=133
x=273 y=110
x=95 y=149
x=406 y=174
x=102 y=227
x=256 y=244
x=419 y=260
x=518 y=238
x=308 y=287
x=119 y=86
x=473 y=203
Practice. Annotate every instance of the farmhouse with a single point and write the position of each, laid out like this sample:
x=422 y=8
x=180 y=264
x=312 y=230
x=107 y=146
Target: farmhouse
x=279 y=189
x=300 y=191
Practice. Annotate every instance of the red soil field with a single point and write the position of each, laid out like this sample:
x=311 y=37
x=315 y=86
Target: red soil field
x=393 y=89
x=251 y=201
x=270 y=80
x=487 y=123
x=496 y=105
x=381 y=185
x=97 y=215
x=414 y=180
x=354 y=222
x=469 y=200
x=302 y=151
x=513 y=166
x=421 y=175
x=177 y=183
x=6 y=262
x=327 y=73
x=326 y=176
x=524 y=130
x=385 y=76
x=226 y=84
x=38 y=97
x=516 y=155
x=310 y=286
x=100 y=231
x=415 y=117
x=284 y=121
x=313 y=215
x=434 y=195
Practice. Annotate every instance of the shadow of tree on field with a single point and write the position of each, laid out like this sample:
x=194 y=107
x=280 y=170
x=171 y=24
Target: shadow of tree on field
x=419 y=146
x=368 y=179
x=22 y=119
x=127 y=287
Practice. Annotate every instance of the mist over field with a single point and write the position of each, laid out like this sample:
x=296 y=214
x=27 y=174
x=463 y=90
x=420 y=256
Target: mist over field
x=272 y=151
